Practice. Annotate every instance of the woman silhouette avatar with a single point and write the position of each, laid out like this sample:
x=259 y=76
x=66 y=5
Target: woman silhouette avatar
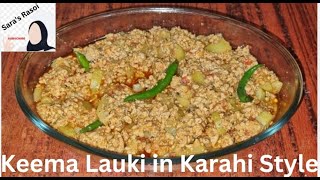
x=38 y=36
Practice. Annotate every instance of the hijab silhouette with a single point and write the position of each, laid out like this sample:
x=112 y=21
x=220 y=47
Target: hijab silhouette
x=42 y=45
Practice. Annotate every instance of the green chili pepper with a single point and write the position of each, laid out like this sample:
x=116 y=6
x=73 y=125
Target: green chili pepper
x=161 y=85
x=91 y=126
x=243 y=82
x=82 y=60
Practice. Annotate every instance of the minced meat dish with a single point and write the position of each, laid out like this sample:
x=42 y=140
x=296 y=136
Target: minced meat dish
x=159 y=91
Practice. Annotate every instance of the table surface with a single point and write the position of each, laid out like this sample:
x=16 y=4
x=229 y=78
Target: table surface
x=293 y=24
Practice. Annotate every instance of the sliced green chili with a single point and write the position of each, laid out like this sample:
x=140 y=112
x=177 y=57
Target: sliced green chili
x=82 y=60
x=243 y=82
x=161 y=85
x=91 y=126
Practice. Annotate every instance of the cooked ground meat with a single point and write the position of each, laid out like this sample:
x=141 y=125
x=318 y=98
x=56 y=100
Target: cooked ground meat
x=198 y=112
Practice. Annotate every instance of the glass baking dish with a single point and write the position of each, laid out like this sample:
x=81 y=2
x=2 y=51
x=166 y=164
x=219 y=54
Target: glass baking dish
x=81 y=32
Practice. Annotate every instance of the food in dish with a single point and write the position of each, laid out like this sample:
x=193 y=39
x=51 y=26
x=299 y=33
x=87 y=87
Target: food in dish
x=158 y=91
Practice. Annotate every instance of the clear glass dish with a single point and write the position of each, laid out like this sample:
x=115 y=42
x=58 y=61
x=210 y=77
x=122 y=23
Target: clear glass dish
x=86 y=30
